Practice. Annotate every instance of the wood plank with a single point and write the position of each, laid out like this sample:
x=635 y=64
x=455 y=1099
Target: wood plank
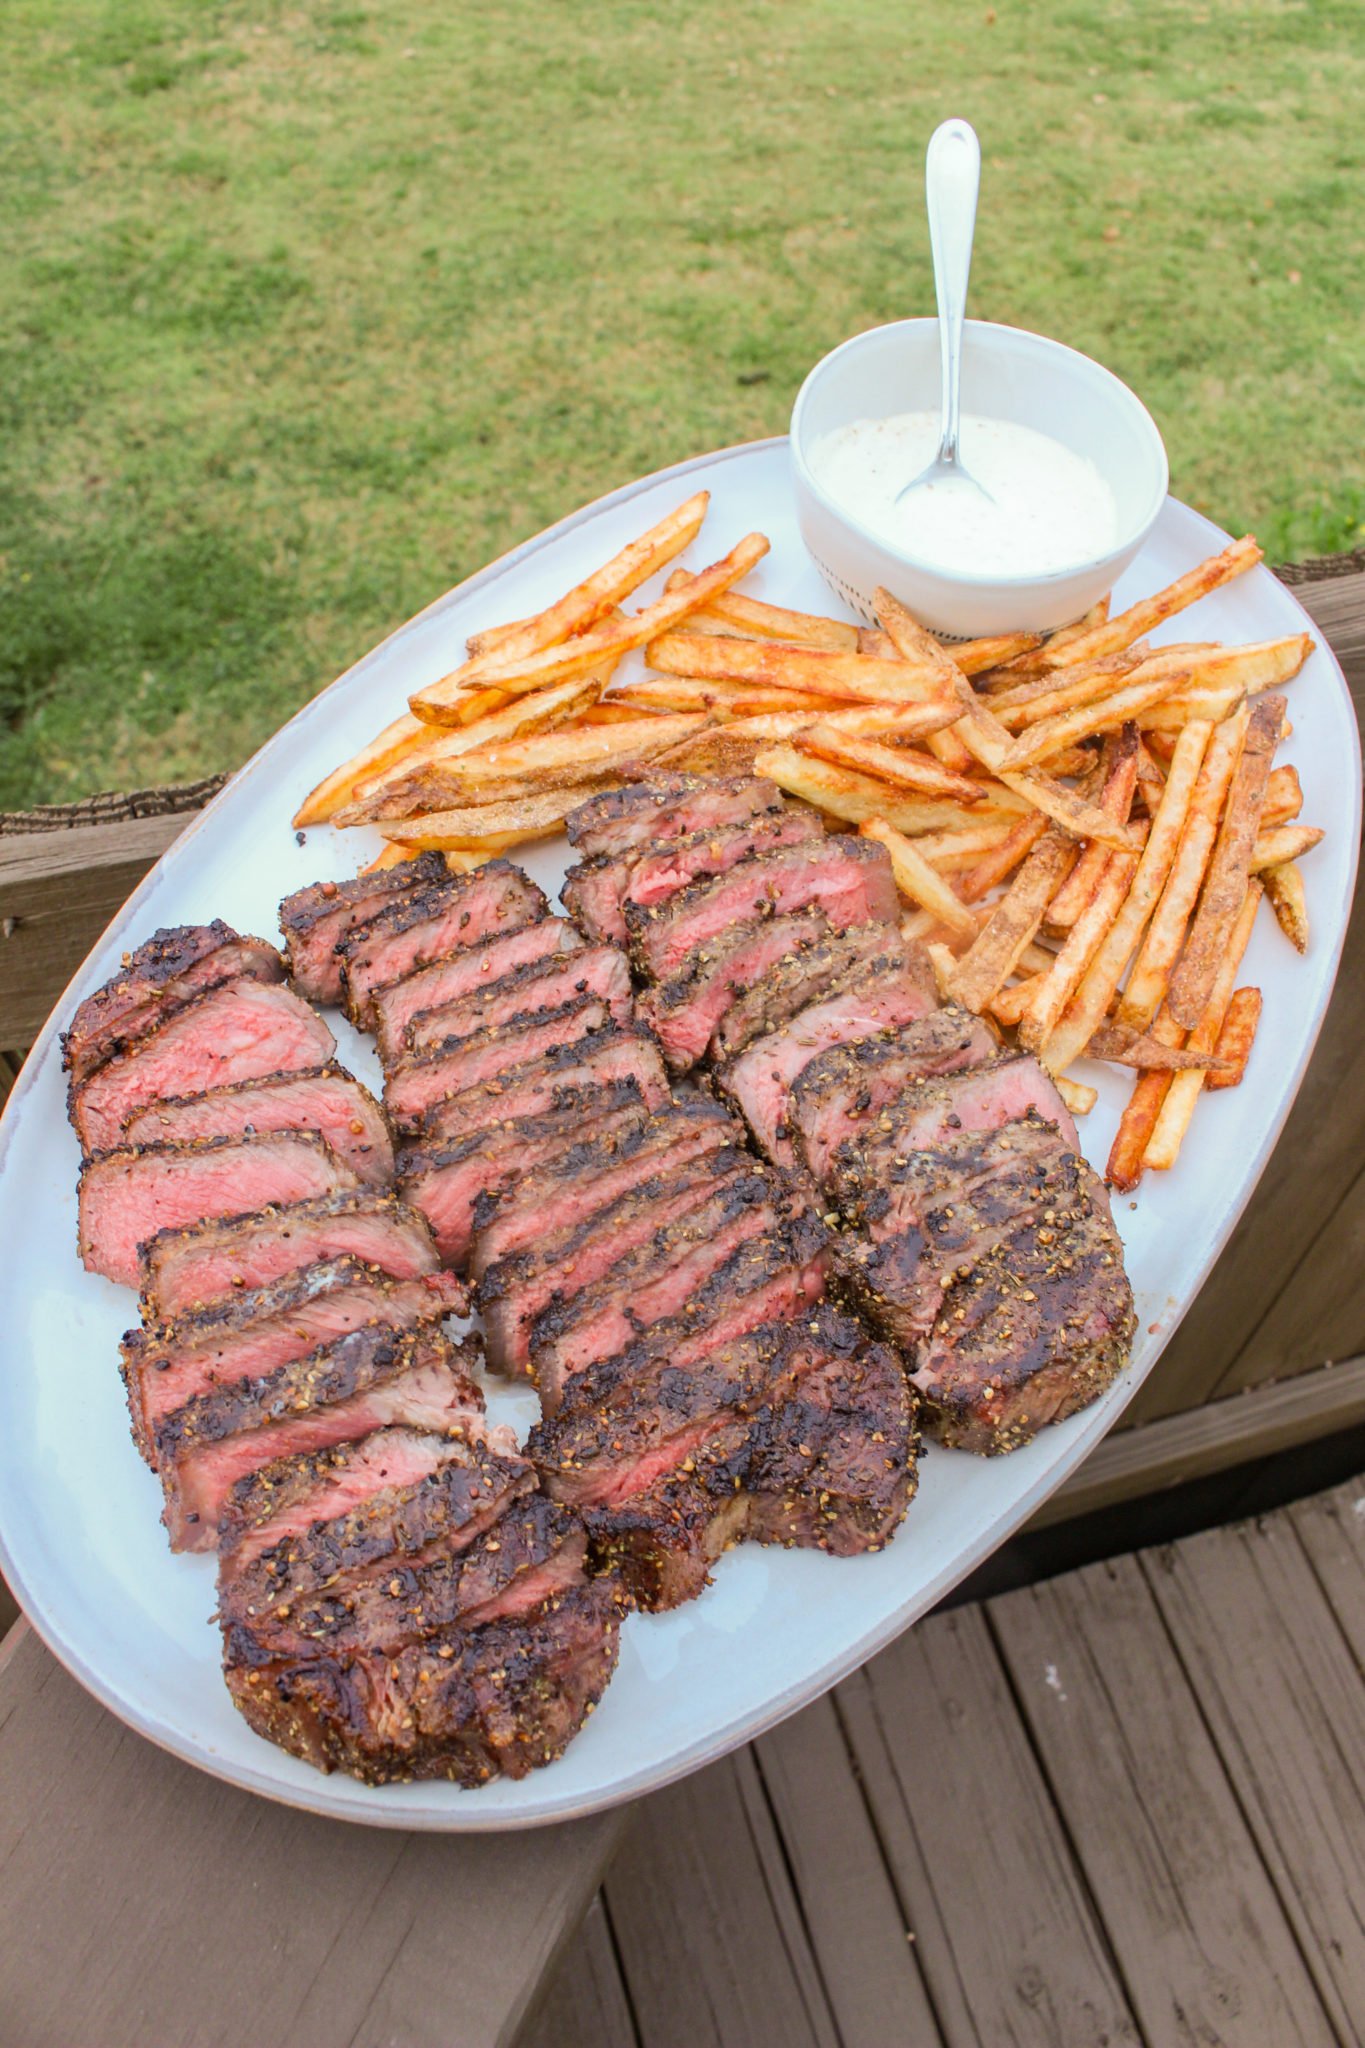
x=708 y=1928
x=1006 y=1935
x=303 y=1933
x=847 y=1899
x=584 y=2004
x=1320 y=1309
x=1331 y=1528
x=1249 y=1622
x=1236 y=1430
x=1200 y=1935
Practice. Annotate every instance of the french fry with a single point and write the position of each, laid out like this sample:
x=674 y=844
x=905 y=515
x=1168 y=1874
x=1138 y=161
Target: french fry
x=775 y=622
x=1003 y=858
x=1082 y=943
x=1141 y=618
x=1235 y=1039
x=613 y=711
x=1092 y=998
x=971 y=656
x=919 y=881
x=853 y=797
x=900 y=767
x=1008 y=1005
x=1138 y=1121
x=1120 y=764
x=336 y=790
x=1079 y=1097
x=1173 y=1120
x=943 y=960
x=1151 y=776
x=1145 y=1051
x=1284 y=887
x=493 y=828
x=822 y=671
x=1160 y=949
x=1102 y=714
x=559 y=759
x=1264 y=665
x=391 y=856
x=992 y=958
x=1062 y=689
x=1214 y=702
x=945 y=848
x=724 y=698
x=1026 y=662
x=949 y=749
x=559 y=662
x=1283 y=843
x=1225 y=883
x=1283 y=796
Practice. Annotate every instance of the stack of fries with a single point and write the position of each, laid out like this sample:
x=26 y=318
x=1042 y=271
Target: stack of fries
x=1060 y=813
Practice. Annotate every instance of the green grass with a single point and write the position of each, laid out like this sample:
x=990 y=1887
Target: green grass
x=306 y=310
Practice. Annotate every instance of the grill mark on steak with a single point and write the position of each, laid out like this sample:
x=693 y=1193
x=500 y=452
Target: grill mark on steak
x=684 y=1012
x=846 y=1088
x=326 y=1100
x=424 y=926
x=127 y=1197
x=417 y=1084
x=242 y=1030
x=597 y=891
x=534 y=1086
x=667 y=807
x=190 y=1267
x=804 y=976
x=601 y=971
x=315 y=920
x=176 y=964
x=458 y=974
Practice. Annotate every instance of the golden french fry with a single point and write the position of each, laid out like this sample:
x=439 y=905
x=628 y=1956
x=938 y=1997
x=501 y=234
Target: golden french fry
x=1151 y=776
x=1236 y=1038
x=493 y=828
x=992 y=958
x=1138 y=1121
x=558 y=662
x=1283 y=843
x=898 y=766
x=1082 y=943
x=919 y=881
x=1214 y=702
x=1079 y=1097
x=1146 y=1052
x=971 y=656
x=853 y=797
x=1101 y=714
x=613 y=711
x=723 y=698
x=943 y=960
x=336 y=790
x=1003 y=858
x=1092 y=998
x=1229 y=866
x=1063 y=689
x=392 y=856
x=947 y=848
x=775 y=622
x=1008 y=1005
x=1163 y=1147
x=1283 y=796
x=1284 y=887
x=948 y=748
x=822 y=671
x=1120 y=768
x=552 y=760
x=1113 y=633
x=1264 y=665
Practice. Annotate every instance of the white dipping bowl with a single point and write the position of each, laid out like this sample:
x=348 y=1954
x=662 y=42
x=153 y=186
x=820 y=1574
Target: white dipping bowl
x=1006 y=374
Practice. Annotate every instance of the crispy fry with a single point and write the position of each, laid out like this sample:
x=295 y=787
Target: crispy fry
x=494 y=827
x=1146 y=1052
x=1283 y=843
x=916 y=879
x=392 y=856
x=556 y=663
x=945 y=848
x=1120 y=765
x=1091 y=1000
x=949 y=749
x=856 y=798
x=1027 y=662
x=724 y=698
x=1163 y=1147
x=773 y=622
x=1008 y=1005
x=1139 y=619
x=1160 y=949
x=1283 y=796
x=943 y=960
x=336 y=790
x=1062 y=689
x=1225 y=883
x=1284 y=887
x=558 y=759
x=1079 y=1097
x=1235 y=1039
x=822 y=671
x=1102 y=714
x=1003 y=858
x=971 y=656
x=899 y=766
x=1264 y=665
x=1212 y=703
x=995 y=954
x=1151 y=776
x=1138 y=1121
x=1083 y=942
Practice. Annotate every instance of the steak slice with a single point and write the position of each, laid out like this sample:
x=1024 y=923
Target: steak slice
x=303 y=1526
x=171 y=968
x=419 y=1082
x=841 y=1091
x=474 y=1704
x=1037 y=1328
x=429 y=923
x=655 y=1281
x=188 y=1268
x=536 y=1550
x=590 y=1174
x=239 y=1031
x=446 y=1181
x=601 y=971
x=315 y=920
x=603 y=1059
x=370 y=1379
x=803 y=977
x=459 y=974
x=596 y=892
x=685 y=1012
x=257 y=1332
x=660 y=1544
x=849 y=879
x=512 y=1292
x=885 y=997
x=326 y=1100
x=126 y=1197
x=667 y=807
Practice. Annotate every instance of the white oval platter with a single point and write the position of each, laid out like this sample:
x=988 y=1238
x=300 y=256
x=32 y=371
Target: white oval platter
x=80 y=1539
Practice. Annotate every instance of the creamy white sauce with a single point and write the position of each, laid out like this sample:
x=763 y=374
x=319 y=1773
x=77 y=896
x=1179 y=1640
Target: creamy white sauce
x=1049 y=508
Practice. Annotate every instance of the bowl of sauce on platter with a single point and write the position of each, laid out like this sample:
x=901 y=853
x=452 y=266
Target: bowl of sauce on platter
x=1073 y=468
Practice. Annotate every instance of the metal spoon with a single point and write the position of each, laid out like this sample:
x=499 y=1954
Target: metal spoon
x=952 y=178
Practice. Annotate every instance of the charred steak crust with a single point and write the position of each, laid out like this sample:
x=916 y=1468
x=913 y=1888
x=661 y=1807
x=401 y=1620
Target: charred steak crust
x=667 y=807
x=415 y=929
x=325 y=1099
x=803 y=976
x=314 y=920
x=597 y=891
x=417 y=1083
x=457 y=974
x=541 y=984
x=169 y=969
x=553 y=1081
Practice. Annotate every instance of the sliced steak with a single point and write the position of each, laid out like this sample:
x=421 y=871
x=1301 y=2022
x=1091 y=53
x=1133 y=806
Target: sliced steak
x=255 y=1333
x=802 y=977
x=315 y=920
x=601 y=971
x=429 y=923
x=372 y=1378
x=883 y=999
x=188 y=1268
x=667 y=807
x=419 y=1082
x=326 y=1100
x=586 y=1177
x=502 y=1699
x=460 y=974
x=126 y=1197
x=596 y=891
x=685 y=1012
x=446 y=1181
x=849 y=879
x=239 y=1031
x=171 y=968
x=660 y=1544
x=604 y=1059
x=841 y=1091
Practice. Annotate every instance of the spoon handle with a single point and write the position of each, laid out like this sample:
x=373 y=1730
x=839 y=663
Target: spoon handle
x=952 y=176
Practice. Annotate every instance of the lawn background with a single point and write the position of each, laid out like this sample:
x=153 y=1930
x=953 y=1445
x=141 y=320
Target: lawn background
x=306 y=311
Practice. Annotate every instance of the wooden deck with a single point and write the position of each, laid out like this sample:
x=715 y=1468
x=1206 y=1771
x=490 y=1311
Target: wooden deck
x=1123 y=1806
